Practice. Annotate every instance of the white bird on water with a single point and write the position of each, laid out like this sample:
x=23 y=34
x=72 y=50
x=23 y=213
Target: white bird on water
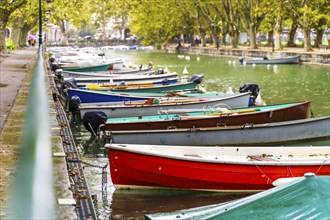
x=268 y=66
x=198 y=59
x=229 y=62
x=254 y=65
x=229 y=90
x=185 y=71
x=188 y=58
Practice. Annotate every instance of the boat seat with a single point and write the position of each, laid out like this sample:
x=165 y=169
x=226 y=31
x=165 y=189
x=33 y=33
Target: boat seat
x=192 y=155
x=262 y=157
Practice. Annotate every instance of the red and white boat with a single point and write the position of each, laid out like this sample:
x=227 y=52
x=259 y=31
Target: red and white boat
x=212 y=168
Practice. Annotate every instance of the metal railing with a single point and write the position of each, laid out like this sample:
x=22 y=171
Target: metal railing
x=32 y=190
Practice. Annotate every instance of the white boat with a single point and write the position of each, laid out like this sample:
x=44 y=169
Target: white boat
x=111 y=78
x=237 y=100
x=258 y=134
x=143 y=71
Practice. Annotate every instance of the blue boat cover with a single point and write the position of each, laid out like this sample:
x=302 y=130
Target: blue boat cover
x=304 y=198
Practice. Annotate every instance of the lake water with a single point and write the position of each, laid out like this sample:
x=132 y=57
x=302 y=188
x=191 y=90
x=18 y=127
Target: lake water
x=286 y=83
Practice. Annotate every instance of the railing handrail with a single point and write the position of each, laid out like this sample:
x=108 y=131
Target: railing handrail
x=32 y=194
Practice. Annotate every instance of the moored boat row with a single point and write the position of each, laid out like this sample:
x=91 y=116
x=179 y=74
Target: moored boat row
x=220 y=120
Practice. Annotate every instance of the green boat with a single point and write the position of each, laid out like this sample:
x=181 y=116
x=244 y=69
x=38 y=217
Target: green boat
x=181 y=113
x=305 y=197
x=91 y=67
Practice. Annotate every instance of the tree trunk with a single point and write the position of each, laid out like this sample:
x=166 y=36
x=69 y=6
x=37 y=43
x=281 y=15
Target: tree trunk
x=270 y=38
x=252 y=35
x=277 y=34
x=3 y=24
x=223 y=38
x=203 y=40
x=215 y=39
x=192 y=39
x=307 y=39
x=23 y=36
x=64 y=38
x=15 y=33
x=235 y=39
x=318 y=38
x=292 y=34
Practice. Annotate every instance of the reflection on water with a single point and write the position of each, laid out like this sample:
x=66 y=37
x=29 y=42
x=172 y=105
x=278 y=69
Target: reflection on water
x=288 y=83
x=134 y=204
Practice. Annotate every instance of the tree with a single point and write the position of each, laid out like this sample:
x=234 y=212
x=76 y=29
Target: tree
x=23 y=20
x=6 y=9
x=155 y=22
x=233 y=20
x=69 y=12
x=212 y=19
x=308 y=13
x=252 y=13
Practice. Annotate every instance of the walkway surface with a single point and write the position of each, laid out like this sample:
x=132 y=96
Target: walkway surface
x=14 y=67
x=16 y=71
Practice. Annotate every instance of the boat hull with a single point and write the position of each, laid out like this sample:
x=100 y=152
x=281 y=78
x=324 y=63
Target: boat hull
x=293 y=112
x=87 y=96
x=126 y=78
x=93 y=68
x=114 y=111
x=272 y=133
x=68 y=74
x=284 y=60
x=154 y=166
x=186 y=86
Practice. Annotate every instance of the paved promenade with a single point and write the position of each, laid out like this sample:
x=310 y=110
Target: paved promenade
x=16 y=70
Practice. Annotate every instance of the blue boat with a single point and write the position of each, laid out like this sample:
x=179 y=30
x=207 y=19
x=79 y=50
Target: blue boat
x=305 y=197
x=90 y=96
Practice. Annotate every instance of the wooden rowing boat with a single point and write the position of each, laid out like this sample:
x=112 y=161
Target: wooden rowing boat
x=212 y=168
x=237 y=100
x=260 y=115
x=247 y=134
x=281 y=60
x=145 y=87
x=116 y=78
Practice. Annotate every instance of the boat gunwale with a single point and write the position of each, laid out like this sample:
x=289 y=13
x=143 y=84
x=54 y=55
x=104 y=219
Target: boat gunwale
x=188 y=118
x=232 y=127
x=87 y=106
x=320 y=160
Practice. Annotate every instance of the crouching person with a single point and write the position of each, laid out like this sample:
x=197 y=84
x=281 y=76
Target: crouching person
x=74 y=104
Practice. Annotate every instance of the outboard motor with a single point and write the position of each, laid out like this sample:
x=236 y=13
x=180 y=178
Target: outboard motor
x=52 y=59
x=241 y=60
x=93 y=119
x=253 y=88
x=160 y=71
x=54 y=67
x=59 y=74
x=165 y=81
x=196 y=79
x=70 y=83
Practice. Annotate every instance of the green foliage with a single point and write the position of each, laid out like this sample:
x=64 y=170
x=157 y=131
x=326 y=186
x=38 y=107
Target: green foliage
x=10 y=45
